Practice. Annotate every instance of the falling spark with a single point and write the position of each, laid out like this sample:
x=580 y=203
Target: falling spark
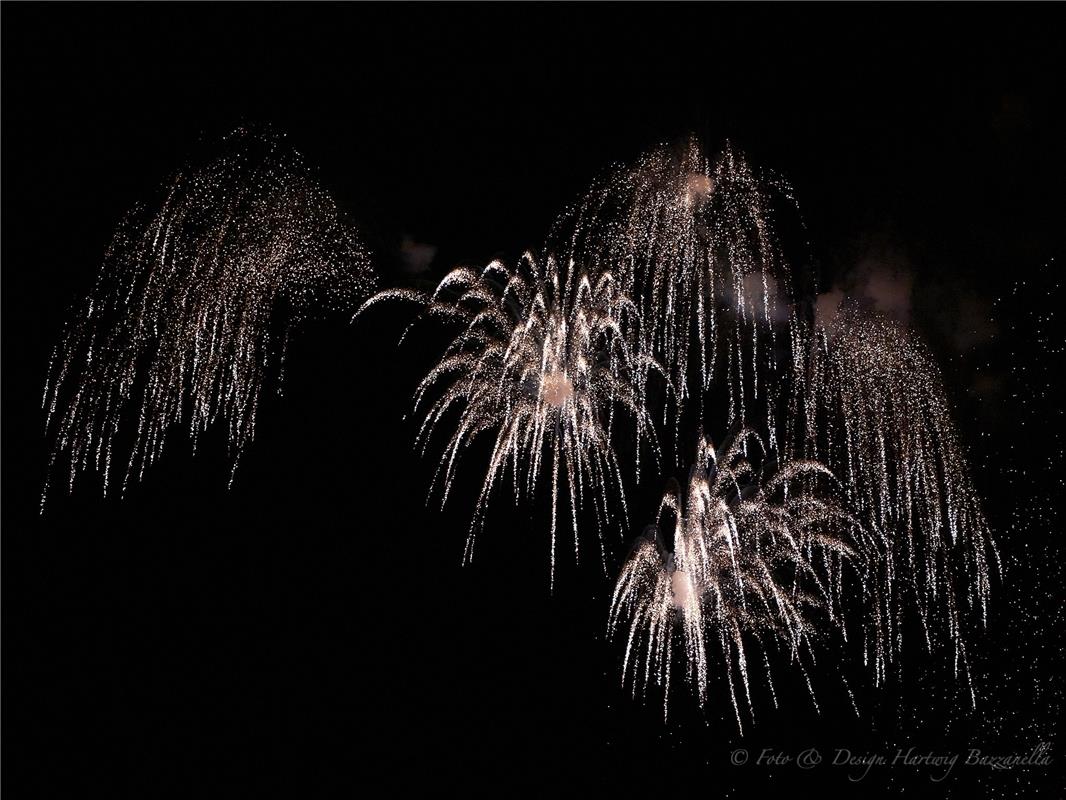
x=753 y=562
x=193 y=304
x=546 y=359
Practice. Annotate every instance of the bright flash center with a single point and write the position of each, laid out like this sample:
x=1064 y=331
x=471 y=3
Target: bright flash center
x=556 y=389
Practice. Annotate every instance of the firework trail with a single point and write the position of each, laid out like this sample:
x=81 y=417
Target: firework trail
x=756 y=563
x=694 y=242
x=192 y=306
x=879 y=414
x=546 y=359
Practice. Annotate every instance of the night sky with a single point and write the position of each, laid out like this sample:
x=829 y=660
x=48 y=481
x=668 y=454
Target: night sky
x=312 y=627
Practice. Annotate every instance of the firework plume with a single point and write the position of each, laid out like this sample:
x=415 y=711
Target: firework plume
x=192 y=305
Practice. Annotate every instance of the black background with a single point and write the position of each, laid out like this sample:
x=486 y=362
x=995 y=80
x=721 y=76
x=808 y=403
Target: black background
x=313 y=627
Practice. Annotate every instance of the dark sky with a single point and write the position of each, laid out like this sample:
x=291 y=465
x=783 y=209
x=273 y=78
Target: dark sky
x=313 y=624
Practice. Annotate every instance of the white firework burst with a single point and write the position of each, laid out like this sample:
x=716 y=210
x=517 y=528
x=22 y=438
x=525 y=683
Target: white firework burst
x=548 y=361
x=756 y=564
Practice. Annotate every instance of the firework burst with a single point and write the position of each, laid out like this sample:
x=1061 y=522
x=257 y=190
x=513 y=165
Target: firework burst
x=694 y=241
x=756 y=563
x=192 y=304
x=881 y=418
x=550 y=361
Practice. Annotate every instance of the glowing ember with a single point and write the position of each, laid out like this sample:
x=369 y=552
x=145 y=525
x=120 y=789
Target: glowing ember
x=681 y=593
x=556 y=389
x=697 y=188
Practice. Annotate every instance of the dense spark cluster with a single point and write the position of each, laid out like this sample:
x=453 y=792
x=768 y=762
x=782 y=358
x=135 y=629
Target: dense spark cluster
x=694 y=240
x=547 y=358
x=880 y=418
x=755 y=564
x=192 y=304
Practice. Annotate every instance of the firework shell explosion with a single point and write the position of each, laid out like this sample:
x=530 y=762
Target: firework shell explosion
x=192 y=307
x=756 y=564
x=549 y=361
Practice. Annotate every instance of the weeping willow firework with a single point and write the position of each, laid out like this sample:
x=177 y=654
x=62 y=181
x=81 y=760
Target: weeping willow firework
x=192 y=304
x=694 y=242
x=880 y=411
x=756 y=561
x=550 y=360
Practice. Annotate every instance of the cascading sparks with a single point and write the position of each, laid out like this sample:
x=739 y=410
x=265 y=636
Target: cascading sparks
x=192 y=305
x=548 y=361
x=694 y=242
x=669 y=272
x=880 y=418
x=755 y=561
